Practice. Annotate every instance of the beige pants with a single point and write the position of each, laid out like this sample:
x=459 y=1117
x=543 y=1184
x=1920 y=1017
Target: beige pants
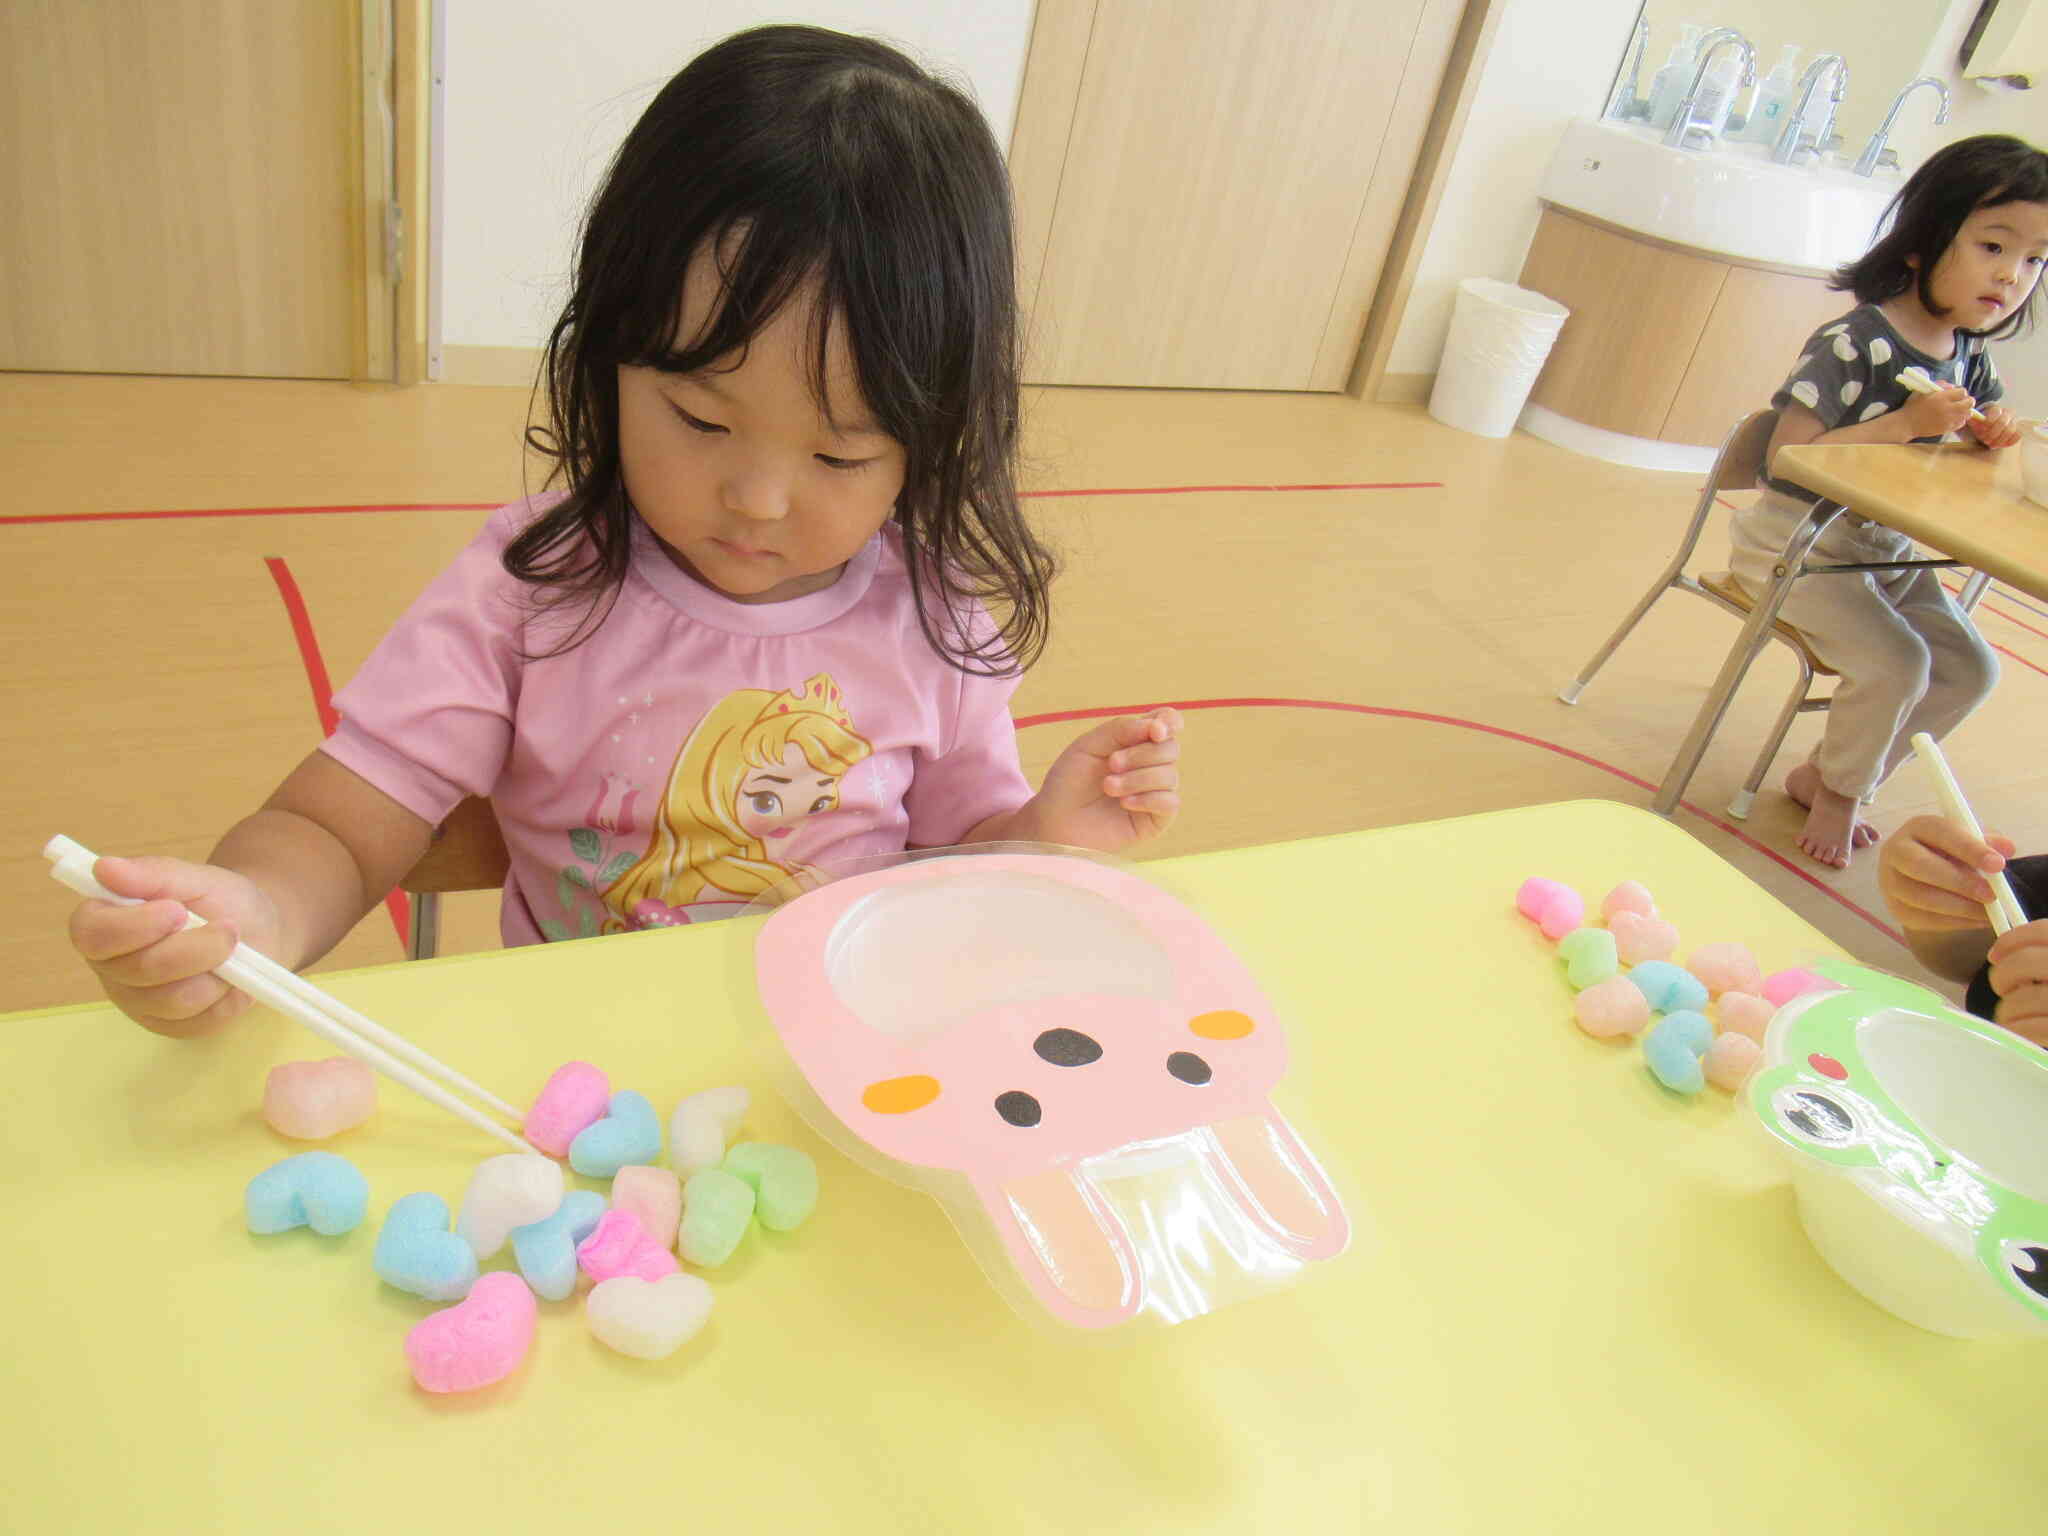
x=1909 y=658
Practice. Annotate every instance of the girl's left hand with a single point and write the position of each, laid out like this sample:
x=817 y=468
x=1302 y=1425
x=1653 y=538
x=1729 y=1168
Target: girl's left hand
x=1999 y=428
x=1117 y=785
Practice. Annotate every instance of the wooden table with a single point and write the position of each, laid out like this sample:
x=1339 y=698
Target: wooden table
x=1576 y=1303
x=1960 y=501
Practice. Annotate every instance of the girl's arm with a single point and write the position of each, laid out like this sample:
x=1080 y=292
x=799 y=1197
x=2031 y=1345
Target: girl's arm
x=1923 y=416
x=289 y=880
x=326 y=847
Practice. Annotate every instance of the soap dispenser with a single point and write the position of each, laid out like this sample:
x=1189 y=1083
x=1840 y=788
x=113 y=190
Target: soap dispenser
x=1668 y=89
x=1773 y=98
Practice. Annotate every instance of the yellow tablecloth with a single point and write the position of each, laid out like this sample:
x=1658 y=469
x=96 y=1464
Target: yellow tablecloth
x=1578 y=1303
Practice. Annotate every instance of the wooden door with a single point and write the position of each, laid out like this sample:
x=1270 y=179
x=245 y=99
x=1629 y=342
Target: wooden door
x=1207 y=189
x=183 y=185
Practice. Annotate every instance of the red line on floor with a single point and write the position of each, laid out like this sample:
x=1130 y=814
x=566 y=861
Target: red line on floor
x=124 y=517
x=1491 y=730
x=1203 y=490
x=396 y=903
x=486 y=506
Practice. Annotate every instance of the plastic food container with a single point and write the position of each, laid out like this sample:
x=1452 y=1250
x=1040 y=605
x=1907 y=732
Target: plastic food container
x=1917 y=1138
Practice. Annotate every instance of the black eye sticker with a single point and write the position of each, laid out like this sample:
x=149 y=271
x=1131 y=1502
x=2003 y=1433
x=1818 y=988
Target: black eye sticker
x=1067 y=1048
x=1020 y=1109
x=2029 y=1265
x=1188 y=1067
x=1816 y=1117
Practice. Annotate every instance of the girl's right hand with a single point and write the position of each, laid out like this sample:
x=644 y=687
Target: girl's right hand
x=1939 y=413
x=152 y=968
x=1932 y=874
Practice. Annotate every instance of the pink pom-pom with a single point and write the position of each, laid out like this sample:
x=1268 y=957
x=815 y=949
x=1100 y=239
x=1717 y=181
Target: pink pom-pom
x=1726 y=967
x=1730 y=1059
x=1615 y=1006
x=479 y=1340
x=575 y=1098
x=1744 y=1013
x=1782 y=986
x=1565 y=911
x=1638 y=938
x=1629 y=896
x=312 y=1100
x=621 y=1246
x=1556 y=909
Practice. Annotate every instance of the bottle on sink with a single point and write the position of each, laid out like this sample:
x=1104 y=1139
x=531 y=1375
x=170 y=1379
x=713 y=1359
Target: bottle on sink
x=1668 y=89
x=1773 y=98
x=1716 y=94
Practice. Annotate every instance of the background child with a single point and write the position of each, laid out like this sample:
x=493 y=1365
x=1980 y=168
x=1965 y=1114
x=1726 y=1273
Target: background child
x=1932 y=875
x=748 y=633
x=1957 y=267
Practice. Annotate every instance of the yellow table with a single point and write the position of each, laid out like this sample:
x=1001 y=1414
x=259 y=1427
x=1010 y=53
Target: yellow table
x=1578 y=1303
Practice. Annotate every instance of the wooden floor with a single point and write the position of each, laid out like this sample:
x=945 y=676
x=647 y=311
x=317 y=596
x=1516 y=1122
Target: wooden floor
x=1355 y=657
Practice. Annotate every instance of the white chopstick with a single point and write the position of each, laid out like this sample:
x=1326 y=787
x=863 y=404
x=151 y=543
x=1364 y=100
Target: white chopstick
x=2004 y=908
x=325 y=1015
x=1915 y=378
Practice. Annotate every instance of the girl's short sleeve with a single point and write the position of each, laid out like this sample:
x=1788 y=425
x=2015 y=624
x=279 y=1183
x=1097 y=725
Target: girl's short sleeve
x=427 y=718
x=1834 y=375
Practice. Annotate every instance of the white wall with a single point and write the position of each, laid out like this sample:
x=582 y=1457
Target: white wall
x=538 y=94
x=1552 y=60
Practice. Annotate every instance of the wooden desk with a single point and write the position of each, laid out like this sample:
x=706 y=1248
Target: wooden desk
x=1577 y=1303
x=1961 y=502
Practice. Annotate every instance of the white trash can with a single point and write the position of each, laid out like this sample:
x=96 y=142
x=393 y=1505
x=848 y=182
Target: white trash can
x=1500 y=335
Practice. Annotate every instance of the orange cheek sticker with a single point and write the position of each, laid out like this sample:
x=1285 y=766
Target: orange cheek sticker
x=1227 y=1025
x=899 y=1095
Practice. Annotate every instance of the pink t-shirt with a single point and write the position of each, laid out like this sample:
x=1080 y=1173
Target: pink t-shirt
x=693 y=751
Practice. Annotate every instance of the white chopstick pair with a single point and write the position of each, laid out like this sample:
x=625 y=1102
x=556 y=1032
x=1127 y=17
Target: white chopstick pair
x=1915 y=378
x=2004 y=908
x=326 y=1016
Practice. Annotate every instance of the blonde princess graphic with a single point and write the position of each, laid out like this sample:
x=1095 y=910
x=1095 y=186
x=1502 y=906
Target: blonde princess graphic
x=757 y=765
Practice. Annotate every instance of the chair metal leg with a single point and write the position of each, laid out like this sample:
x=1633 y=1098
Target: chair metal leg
x=1973 y=590
x=423 y=933
x=1794 y=703
x=1754 y=633
x=1569 y=694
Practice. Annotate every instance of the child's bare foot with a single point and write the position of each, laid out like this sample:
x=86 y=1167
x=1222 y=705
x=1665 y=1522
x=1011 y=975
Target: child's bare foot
x=1833 y=830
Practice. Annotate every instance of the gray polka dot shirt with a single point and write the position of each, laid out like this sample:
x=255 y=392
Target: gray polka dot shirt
x=1848 y=372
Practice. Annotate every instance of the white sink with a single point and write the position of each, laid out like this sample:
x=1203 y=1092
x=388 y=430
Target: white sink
x=1729 y=201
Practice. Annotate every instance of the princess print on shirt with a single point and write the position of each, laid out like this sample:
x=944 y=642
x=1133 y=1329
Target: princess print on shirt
x=757 y=766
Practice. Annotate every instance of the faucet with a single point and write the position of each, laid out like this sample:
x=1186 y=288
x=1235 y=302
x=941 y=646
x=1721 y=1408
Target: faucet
x=1627 y=100
x=1793 y=139
x=1681 y=120
x=1867 y=161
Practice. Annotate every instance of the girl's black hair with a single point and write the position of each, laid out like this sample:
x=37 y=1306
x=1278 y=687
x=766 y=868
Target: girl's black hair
x=1923 y=220
x=794 y=155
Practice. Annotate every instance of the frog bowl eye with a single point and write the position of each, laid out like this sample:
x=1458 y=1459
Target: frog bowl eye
x=1816 y=1116
x=2028 y=1264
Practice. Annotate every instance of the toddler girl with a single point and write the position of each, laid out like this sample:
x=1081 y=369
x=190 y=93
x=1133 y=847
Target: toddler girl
x=747 y=634
x=1957 y=267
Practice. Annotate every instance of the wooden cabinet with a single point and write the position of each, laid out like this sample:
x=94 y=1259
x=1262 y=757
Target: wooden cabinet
x=1207 y=189
x=1665 y=343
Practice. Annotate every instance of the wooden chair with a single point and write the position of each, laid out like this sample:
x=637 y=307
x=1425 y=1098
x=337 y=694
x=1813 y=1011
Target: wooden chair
x=467 y=854
x=1735 y=467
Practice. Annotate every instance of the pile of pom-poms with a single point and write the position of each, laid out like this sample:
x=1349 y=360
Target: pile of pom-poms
x=639 y=1299
x=1628 y=983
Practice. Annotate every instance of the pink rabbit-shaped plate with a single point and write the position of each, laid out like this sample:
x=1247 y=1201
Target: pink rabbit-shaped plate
x=1020 y=1035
